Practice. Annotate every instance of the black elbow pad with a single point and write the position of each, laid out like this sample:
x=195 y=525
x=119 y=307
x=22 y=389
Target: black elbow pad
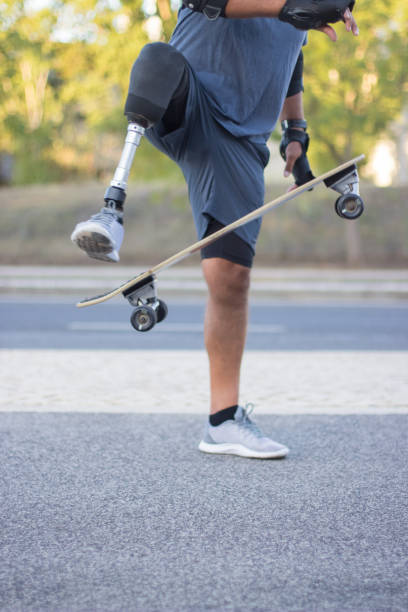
x=212 y=9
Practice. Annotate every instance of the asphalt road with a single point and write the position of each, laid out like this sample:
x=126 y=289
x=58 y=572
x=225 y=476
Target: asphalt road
x=52 y=323
x=123 y=513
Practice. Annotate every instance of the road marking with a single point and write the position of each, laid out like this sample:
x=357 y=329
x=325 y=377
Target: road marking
x=169 y=328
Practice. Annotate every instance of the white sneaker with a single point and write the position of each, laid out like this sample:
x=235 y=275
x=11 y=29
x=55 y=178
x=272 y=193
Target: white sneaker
x=101 y=236
x=240 y=436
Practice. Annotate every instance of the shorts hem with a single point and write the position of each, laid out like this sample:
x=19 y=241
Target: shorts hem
x=231 y=258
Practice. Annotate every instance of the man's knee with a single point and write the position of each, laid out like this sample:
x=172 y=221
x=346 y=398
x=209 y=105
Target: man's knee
x=155 y=77
x=227 y=281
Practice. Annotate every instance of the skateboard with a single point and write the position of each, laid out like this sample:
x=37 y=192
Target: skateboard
x=140 y=291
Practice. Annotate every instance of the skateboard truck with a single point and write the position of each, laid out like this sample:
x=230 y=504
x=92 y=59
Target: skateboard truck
x=149 y=309
x=349 y=205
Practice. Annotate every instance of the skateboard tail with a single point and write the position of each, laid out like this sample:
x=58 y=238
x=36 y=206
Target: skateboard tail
x=96 y=299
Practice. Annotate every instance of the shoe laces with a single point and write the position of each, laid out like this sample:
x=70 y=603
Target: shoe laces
x=106 y=217
x=246 y=423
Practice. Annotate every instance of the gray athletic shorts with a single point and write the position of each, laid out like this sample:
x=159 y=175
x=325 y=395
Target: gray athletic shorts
x=224 y=174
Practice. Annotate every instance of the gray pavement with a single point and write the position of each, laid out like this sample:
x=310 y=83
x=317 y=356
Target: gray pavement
x=107 y=505
x=121 y=512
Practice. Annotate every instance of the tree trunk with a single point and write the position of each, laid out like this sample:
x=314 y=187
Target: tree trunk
x=402 y=148
x=34 y=90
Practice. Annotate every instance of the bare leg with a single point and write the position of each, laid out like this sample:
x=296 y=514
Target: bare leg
x=225 y=328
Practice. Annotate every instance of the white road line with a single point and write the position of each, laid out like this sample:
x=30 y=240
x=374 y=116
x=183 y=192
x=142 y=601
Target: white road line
x=169 y=328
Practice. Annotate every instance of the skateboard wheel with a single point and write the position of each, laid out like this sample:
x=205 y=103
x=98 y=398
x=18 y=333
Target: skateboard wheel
x=161 y=311
x=143 y=318
x=349 y=206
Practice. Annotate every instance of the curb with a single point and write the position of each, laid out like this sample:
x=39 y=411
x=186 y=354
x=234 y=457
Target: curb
x=266 y=282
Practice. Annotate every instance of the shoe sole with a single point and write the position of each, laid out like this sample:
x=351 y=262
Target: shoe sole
x=241 y=451
x=95 y=244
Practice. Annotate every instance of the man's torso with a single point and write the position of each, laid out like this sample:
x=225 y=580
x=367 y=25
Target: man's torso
x=244 y=65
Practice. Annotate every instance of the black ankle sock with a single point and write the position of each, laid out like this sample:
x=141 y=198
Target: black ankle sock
x=223 y=415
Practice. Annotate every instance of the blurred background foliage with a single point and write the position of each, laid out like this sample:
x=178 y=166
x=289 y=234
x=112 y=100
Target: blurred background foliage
x=64 y=69
x=357 y=89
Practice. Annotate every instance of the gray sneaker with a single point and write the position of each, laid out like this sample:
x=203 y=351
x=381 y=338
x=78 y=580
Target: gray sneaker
x=101 y=236
x=240 y=436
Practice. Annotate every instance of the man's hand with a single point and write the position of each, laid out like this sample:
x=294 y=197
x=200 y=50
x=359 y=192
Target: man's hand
x=349 y=21
x=293 y=152
x=305 y=19
x=318 y=14
x=293 y=149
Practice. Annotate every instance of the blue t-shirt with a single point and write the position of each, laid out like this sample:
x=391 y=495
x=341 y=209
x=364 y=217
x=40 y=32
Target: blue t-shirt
x=244 y=65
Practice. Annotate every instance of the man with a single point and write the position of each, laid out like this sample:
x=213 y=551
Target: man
x=210 y=99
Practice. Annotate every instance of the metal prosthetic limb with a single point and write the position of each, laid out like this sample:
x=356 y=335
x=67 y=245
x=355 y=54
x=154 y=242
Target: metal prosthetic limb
x=158 y=87
x=149 y=309
x=349 y=205
x=116 y=193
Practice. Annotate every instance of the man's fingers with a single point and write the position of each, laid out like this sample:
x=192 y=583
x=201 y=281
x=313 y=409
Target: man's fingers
x=347 y=19
x=350 y=22
x=293 y=151
x=329 y=31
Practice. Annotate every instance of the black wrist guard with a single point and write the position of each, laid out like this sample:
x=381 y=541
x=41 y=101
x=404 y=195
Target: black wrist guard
x=212 y=9
x=293 y=123
x=301 y=170
x=312 y=14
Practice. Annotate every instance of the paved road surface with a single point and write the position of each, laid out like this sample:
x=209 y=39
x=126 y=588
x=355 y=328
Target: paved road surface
x=47 y=323
x=122 y=513
x=107 y=505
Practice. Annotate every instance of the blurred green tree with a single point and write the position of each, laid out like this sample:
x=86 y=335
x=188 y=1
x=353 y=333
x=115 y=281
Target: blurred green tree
x=64 y=69
x=26 y=55
x=356 y=88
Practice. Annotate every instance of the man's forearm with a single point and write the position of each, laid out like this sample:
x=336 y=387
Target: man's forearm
x=302 y=14
x=253 y=8
x=293 y=107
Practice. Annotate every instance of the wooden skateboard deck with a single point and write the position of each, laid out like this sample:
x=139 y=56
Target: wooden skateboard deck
x=259 y=212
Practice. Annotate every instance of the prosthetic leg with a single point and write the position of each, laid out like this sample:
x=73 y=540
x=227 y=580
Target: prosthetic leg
x=159 y=76
x=115 y=194
x=158 y=90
